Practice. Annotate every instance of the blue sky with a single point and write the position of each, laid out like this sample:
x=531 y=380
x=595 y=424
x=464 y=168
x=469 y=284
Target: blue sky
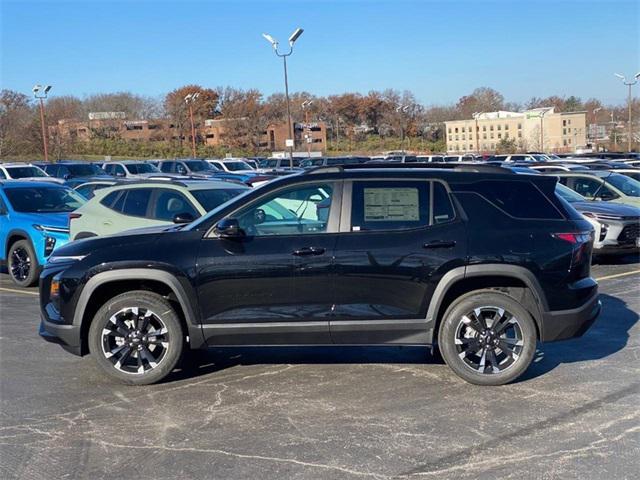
x=439 y=50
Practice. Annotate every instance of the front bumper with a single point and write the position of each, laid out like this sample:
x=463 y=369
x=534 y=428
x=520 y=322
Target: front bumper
x=67 y=336
x=565 y=324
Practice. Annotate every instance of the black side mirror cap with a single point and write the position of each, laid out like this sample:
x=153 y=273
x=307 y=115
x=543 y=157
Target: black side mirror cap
x=228 y=228
x=184 y=217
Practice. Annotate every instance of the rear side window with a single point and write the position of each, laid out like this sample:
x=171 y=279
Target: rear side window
x=519 y=199
x=442 y=208
x=389 y=205
x=166 y=167
x=111 y=198
x=136 y=202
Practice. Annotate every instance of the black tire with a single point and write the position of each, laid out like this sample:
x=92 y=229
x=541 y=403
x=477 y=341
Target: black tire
x=126 y=335
x=482 y=346
x=23 y=265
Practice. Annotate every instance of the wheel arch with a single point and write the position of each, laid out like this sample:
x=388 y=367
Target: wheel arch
x=15 y=235
x=516 y=281
x=105 y=285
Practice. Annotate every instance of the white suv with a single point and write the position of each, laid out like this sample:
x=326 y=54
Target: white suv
x=25 y=171
x=233 y=165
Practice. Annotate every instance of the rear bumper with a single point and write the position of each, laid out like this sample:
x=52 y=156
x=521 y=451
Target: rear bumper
x=67 y=336
x=565 y=324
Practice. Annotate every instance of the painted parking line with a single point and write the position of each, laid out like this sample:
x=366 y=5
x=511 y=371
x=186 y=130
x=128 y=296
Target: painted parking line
x=24 y=292
x=618 y=275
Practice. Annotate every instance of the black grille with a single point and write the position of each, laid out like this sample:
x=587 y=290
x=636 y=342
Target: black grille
x=629 y=233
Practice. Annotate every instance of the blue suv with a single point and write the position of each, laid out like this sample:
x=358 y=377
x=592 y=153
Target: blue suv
x=75 y=173
x=34 y=220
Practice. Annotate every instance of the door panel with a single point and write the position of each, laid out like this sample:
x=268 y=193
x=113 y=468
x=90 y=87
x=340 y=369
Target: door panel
x=384 y=282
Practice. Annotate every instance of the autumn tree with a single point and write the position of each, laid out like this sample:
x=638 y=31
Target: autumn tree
x=178 y=111
x=482 y=99
x=19 y=125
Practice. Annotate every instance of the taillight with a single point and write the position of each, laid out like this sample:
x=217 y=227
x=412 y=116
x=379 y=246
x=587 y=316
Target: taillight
x=573 y=238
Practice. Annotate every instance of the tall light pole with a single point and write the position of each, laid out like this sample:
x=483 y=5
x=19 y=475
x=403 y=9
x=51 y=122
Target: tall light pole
x=629 y=83
x=41 y=93
x=402 y=109
x=189 y=100
x=305 y=107
x=274 y=43
x=475 y=116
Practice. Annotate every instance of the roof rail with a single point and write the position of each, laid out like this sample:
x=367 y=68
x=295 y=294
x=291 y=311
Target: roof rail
x=455 y=166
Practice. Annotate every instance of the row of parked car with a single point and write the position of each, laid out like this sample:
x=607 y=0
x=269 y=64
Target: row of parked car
x=43 y=208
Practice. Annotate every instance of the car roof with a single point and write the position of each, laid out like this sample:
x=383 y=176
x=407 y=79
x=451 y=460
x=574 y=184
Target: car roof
x=18 y=164
x=180 y=185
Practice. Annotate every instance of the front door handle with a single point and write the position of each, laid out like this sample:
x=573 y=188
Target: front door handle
x=440 y=244
x=306 y=251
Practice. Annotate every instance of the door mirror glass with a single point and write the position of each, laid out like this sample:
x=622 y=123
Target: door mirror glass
x=184 y=217
x=229 y=228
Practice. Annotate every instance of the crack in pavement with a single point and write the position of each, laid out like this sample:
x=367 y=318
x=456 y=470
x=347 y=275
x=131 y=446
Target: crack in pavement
x=452 y=461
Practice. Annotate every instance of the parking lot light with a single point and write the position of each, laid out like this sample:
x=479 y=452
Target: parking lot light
x=41 y=93
x=629 y=84
x=274 y=43
x=189 y=99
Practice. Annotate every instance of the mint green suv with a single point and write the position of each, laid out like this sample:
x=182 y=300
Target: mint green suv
x=149 y=203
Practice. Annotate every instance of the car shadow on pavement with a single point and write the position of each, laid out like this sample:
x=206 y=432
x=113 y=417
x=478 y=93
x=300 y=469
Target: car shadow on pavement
x=616 y=259
x=607 y=336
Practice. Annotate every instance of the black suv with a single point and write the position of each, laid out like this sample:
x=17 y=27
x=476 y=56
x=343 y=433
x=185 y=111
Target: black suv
x=473 y=260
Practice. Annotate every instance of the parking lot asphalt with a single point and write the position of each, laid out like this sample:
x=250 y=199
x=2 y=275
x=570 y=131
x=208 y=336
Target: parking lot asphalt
x=310 y=413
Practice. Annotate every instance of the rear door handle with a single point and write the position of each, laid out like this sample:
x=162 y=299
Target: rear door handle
x=306 y=251
x=440 y=244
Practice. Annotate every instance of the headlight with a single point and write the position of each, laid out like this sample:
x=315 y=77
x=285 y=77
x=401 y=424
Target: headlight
x=49 y=245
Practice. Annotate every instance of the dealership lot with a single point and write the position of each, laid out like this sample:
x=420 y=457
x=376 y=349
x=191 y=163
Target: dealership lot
x=326 y=412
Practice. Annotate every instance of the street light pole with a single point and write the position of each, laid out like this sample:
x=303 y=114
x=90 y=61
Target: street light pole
x=629 y=83
x=305 y=106
x=189 y=99
x=402 y=109
x=475 y=117
x=274 y=43
x=41 y=93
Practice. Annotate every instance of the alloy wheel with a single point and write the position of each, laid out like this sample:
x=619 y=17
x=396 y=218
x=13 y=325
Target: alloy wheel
x=489 y=339
x=20 y=264
x=135 y=340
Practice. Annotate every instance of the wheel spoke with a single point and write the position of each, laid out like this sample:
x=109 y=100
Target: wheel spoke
x=483 y=360
x=493 y=361
x=124 y=357
x=502 y=324
x=474 y=324
x=148 y=356
x=472 y=345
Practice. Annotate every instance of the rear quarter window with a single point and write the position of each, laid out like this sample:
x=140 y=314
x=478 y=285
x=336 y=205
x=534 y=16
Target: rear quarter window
x=519 y=199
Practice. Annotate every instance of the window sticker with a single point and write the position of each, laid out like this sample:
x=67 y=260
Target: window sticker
x=391 y=205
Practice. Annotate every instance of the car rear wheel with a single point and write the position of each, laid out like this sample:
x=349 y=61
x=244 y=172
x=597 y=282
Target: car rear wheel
x=23 y=264
x=136 y=338
x=487 y=338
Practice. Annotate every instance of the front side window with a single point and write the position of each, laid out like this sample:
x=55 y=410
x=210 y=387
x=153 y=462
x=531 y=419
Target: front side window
x=170 y=203
x=138 y=168
x=389 y=205
x=587 y=187
x=167 y=167
x=303 y=209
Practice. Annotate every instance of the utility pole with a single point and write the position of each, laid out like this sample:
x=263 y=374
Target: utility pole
x=41 y=93
x=629 y=83
x=189 y=100
x=274 y=43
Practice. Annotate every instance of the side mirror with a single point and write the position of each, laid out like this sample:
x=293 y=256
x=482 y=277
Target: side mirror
x=229 y=228
x=67 y=176
x=184 y=217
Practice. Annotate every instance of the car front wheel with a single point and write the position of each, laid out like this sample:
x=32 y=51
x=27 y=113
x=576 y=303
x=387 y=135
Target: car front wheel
x=487 y=338
x=23 y=264
x=136 y=338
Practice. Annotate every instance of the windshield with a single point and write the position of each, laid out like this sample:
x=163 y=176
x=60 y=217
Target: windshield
x=213 y=211
x=44 y=199
x=540 y=158
x=568 y=194
x=138 y=168
x=210 y=199
x=85 y=170
x=24 y=172
x=198 y=165
x=237 y=165
x=626 y=185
